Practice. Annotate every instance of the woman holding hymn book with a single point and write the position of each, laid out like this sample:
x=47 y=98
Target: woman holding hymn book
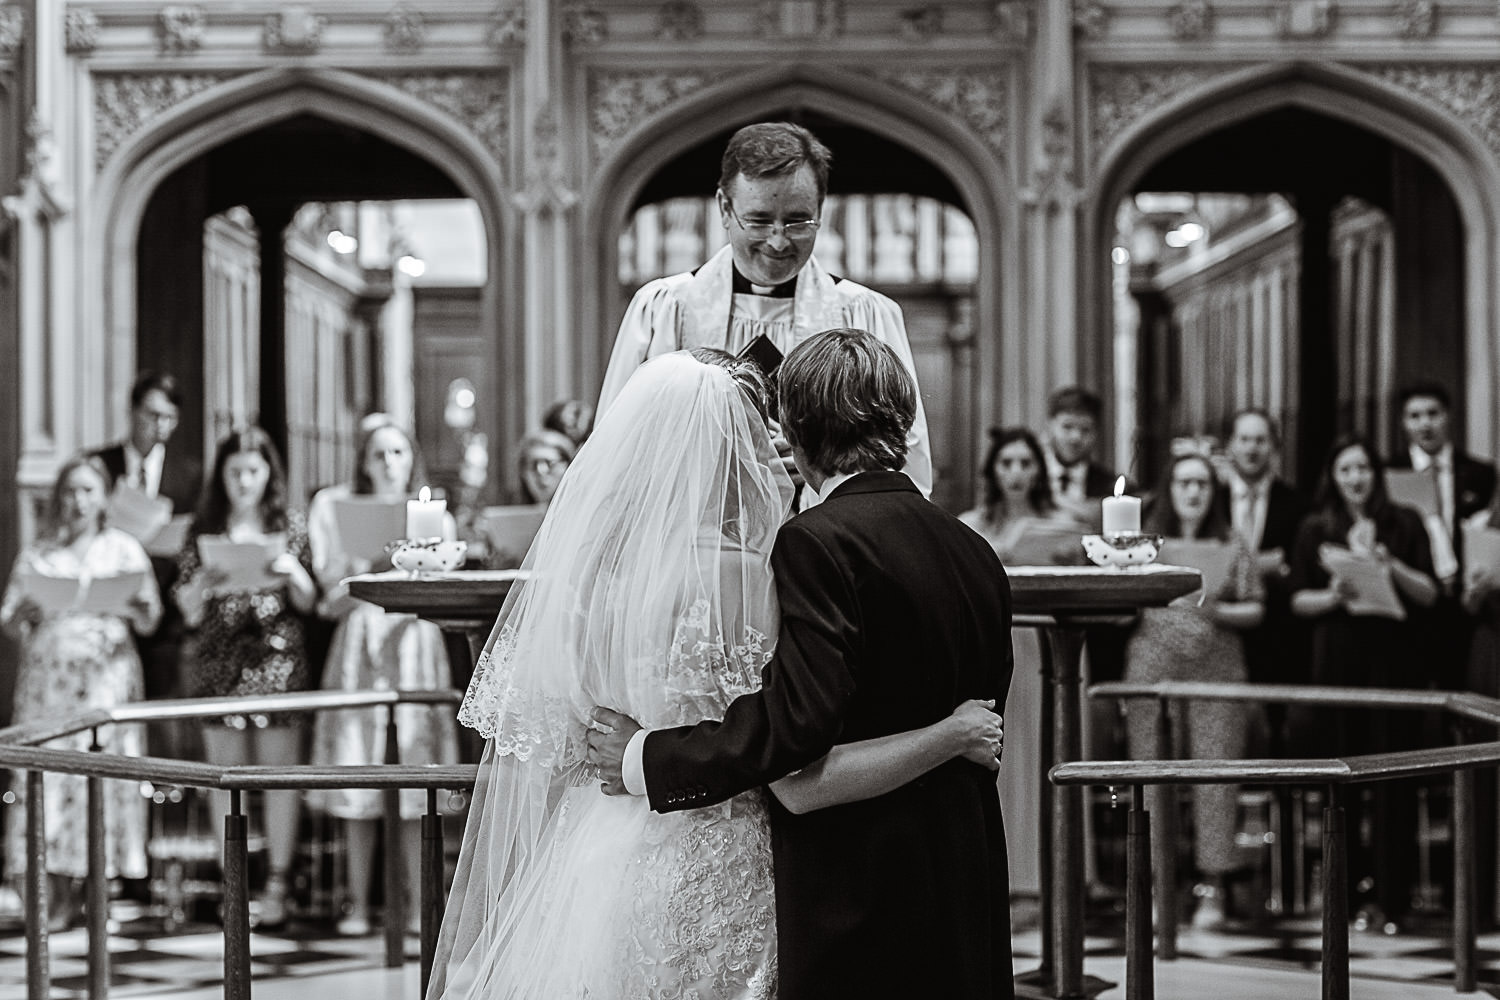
x=73 y=599
x=374 y=649
x=1021 y=521
x=244 y=583
x=1360 y=565
x=1196 y=638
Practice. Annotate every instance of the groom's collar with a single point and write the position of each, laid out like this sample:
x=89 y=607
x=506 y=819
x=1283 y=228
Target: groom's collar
x=875 y=481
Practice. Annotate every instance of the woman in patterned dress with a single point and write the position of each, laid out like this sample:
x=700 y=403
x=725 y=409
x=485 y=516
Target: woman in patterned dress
x=245 y=642
x=73 y=661
x=372 y=648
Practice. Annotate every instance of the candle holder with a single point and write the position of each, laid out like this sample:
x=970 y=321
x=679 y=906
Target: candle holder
x=1122 y=549
x=427 y=555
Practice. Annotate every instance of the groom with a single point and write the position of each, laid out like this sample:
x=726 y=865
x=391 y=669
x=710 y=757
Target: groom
x=892 y=613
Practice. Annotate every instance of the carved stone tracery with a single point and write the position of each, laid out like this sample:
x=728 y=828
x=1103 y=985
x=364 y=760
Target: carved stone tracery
x=124 y=103
x=1119 y=96
x=1418 y=18
x=181 y=27
x=1470 y=93
x=80 y=30
x=620 y=99
x=405 y=30
x=480 y=101
x=978 y=97
x=12 y=30
x=679 y=21
x=1191 y=19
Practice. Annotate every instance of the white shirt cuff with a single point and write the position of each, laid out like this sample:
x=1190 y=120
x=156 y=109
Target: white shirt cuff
x=633 y=767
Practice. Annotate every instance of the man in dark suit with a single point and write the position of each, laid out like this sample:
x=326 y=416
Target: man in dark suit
x=146 y=462
x=1073 y=417
x=892 y=613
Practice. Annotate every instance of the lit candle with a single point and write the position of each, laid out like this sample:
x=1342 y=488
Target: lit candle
x=424 y=516
x=1122 y=514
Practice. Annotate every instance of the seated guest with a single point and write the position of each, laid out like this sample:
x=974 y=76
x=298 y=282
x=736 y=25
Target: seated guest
x=1196 y=641
x=73 y=660
x=1073 y=416
x=1352 y=512
x=245 y=641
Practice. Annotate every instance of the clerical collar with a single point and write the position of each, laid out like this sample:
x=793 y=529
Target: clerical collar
x=785 y=290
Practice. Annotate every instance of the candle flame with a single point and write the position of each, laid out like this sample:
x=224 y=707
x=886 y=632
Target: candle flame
x=1119 y=487
x=424 y=494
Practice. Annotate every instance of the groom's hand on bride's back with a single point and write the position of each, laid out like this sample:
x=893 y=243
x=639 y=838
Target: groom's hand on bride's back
x=609 y=735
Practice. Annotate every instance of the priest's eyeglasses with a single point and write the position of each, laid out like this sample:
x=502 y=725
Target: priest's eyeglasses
x=800 y=229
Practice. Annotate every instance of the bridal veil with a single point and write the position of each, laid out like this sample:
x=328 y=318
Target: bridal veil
x=647 y=590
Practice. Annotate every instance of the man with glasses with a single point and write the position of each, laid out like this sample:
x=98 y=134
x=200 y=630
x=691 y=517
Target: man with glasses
x=772 y=183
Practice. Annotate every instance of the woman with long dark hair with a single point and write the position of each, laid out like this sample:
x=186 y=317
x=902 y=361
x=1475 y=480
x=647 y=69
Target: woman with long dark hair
x=250 y=641
x=1353 y=512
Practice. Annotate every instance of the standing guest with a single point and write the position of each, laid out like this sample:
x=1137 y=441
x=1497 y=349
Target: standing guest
x=1016 y=492
x=1352 y=510
x=1481 y=599
x=541 y=459
x=1197 y=641
x=373 y=648
x=772 y=182
x=1266 y=511
x=72 y=661
x=572 y=418
x=147 y=461
x=247 y=642
x=1073 y=416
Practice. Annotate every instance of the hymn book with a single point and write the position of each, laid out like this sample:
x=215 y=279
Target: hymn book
x=1212 y=558
x=1374 y=589
x=366 y=525
x=244 y=565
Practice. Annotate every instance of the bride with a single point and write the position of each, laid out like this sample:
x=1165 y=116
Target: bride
x=650 y=590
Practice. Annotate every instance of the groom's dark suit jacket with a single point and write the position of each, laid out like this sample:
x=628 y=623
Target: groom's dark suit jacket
x=892 y=613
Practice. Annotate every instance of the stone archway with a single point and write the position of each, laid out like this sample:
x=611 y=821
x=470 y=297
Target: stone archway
x=970 y=161
x=225 y=110
x=1128 y=142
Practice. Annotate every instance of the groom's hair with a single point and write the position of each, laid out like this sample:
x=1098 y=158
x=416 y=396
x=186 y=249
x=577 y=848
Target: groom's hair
x=847 y=401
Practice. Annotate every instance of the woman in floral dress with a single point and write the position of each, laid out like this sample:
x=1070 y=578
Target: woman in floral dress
x=73 y=661
x=245 y=642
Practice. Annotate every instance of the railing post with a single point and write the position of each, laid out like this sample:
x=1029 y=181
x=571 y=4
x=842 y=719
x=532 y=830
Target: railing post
x=1139 y=973
x=395 y=885
x=1067 y=816
x=1463 y=881
x=1335 y=900
x=38 y=965
x=236 y=903
x=98 y=887
x=1166 y=825
x=432 y=884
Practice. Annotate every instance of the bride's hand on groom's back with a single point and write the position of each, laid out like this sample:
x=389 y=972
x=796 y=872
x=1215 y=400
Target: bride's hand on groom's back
x=978 y=733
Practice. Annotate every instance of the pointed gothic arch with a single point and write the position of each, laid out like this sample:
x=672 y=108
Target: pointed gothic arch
x=976 y=171
x=1425 y=130
x=127 y=180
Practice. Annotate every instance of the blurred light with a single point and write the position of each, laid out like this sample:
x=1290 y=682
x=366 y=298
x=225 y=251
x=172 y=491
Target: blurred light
x=464 y=397
x=342 y=242
x=1120 y=255
x=1185 y=233
x=412 y=266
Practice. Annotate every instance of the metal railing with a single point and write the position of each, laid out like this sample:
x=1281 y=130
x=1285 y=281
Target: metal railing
x=19 y=751
x=1334 y=774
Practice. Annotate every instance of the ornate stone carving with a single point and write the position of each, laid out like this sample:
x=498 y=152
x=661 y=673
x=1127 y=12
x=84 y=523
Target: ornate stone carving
x=508 y=28
x=1304 y=18
x=405 y=31
x=80 y=30
x=480 y=101
x=124 y=102
x=1090 y=18
x=584 y=25
x=1010 y=20
x=979 y=97
x=181 y=27
x=546 y=187
x=1191 y=19
x=295 y=30
x=620 y=99
x=1418 y=18
x=679 y=21
x=12 y=30
x=1121 y=95
x=1471 y=93
x=802 y=19
x=1052 y=176
x=921 y=23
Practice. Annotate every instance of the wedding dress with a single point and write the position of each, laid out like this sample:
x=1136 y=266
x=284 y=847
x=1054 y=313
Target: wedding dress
x=649 y=591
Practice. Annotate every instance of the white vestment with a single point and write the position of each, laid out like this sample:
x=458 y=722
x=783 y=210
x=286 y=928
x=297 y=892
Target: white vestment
x=700 y=309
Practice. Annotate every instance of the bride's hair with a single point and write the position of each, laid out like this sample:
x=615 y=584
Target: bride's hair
x=746 y=374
